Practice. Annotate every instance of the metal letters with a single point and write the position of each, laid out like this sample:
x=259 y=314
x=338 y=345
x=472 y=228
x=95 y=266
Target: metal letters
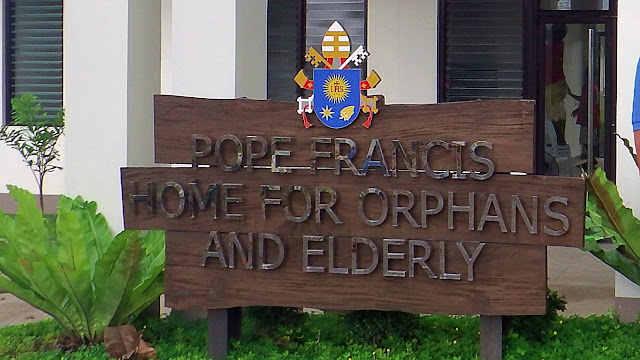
x=395 y=208
x=148 y=198
x=420 y=260
x=556 y=215
x=287 y=203
x=182 y=200
x=262 y=251
x=275 y=153
x=492 y=201
x=315 y=154
x=214 y=239
x=339 y=158
x=306 y=252
x=361 y=207
x=354 y=256
x=264 y=147
x=375 y=149
x=328 y=207
x=195 y=138
x=239 y=152
x=226 y=200
x=461 y=208
x=387 y=255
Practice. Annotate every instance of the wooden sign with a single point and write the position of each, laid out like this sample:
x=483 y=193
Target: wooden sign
x=419 y=276
x=504 y=209
x=508 y=124
x=417 y=213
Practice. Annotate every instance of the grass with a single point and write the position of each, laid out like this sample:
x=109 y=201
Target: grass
x=325 y=337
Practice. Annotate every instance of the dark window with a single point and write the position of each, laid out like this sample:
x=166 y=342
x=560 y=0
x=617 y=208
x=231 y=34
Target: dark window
x=351 y=14
x=33 y=53
x=483 y=45
x=284 y=48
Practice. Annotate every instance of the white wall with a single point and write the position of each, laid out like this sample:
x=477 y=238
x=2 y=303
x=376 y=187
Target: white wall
x=627 y=177
x=143 y=79
x=402 y=40
x=251 y=49
x=108 y=46
x=95 y=68
x=16 y=172
x=217 y=48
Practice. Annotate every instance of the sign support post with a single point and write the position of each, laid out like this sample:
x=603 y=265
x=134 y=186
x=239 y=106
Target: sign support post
x=491 y=337
x=218 y=333
x=222 y=326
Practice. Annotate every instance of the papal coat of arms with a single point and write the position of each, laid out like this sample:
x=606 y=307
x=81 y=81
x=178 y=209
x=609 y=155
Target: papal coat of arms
x=337 y=89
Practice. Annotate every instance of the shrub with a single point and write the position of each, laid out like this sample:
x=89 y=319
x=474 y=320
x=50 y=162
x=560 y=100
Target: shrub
x=35 y=137
x=271 y=321
x=536 y=327
x=77 y=271
x=370 y=326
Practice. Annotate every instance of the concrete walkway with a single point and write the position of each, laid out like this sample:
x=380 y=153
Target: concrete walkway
x=585 y=281
x=14 y=311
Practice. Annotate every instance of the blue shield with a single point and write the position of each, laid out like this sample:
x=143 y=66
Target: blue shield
x=336 y=96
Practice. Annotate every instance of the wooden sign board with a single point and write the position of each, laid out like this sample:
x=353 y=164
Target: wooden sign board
x=508 y=124
x=417 y=213
x=506 y=279
x=503 y=209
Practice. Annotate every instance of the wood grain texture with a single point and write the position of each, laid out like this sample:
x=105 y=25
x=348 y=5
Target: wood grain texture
x=348 y=188
x=509 y=280
x=508 y=124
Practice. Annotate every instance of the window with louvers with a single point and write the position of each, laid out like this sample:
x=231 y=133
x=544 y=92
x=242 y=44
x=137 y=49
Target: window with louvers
x=284 y=48
x=483 y=49
x=34 y=51
x=351 y=14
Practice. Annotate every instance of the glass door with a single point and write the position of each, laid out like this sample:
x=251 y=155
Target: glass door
x=574 y=97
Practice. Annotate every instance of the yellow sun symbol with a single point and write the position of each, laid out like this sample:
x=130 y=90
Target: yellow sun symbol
x=336 y=88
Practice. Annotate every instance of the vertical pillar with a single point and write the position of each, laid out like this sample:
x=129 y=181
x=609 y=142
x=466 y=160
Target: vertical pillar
x=217 y=49
x=111 y=71
x=391 y=37
x=218 y=333
x=491 y=337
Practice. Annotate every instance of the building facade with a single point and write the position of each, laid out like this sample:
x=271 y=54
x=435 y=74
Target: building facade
x=105 y=59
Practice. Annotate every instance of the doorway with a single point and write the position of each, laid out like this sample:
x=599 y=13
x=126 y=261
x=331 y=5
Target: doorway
x=575 y=92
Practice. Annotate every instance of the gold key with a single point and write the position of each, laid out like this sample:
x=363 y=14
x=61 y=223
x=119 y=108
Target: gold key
x=314 y=57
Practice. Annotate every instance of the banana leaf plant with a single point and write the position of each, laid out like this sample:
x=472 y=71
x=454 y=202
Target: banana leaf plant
x=76 y=270
x=608 y=218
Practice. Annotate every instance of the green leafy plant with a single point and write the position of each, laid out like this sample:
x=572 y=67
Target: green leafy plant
x=539 y=327
x=372 y=326
x=35 y=137
x=76 y=271
x=436 y=337
x=608 y=218
x=273 y=321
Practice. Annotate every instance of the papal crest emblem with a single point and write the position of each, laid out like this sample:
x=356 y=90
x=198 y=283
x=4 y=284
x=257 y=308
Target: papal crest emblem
x=338 y=91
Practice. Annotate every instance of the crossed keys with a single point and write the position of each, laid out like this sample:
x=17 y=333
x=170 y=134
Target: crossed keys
x=314 y=57
x=367 y=104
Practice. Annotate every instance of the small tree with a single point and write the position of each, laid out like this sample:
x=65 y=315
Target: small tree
x=35 y=137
